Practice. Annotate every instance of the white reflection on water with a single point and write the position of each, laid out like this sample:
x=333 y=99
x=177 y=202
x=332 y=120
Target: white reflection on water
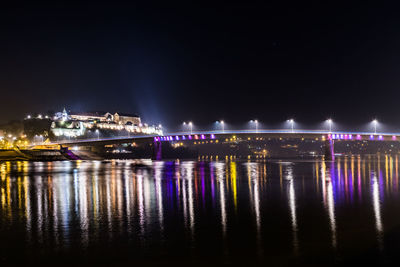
x=139 y=179
x=253 y=173
x=83 y=210
x=158 y=178
x=292 y=203
x=187 y=188
x=329 y=202
x=219 y=167
x=39 y=207
x=148 y=194
x=254 y=191
x=191 y=200
x=377 y=209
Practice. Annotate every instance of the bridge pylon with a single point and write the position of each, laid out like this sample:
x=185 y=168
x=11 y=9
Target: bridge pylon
x=157 y=150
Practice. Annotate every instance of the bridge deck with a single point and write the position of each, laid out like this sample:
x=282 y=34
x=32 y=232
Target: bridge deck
x=184 y=136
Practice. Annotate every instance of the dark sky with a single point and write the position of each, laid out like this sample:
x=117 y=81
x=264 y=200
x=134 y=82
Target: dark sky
x=203 y=63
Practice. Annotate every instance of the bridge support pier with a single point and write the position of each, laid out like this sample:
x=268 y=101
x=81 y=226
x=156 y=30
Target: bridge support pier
x=157 y=150
x=329 y=150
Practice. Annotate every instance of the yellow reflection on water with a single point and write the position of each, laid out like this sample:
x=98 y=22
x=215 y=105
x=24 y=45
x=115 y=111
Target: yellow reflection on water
x=234 y=182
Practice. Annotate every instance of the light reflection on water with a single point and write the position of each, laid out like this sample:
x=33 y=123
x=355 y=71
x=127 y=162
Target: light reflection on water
x=279 y=212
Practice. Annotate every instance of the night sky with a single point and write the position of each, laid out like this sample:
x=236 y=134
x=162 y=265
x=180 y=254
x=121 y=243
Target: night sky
x=203 y=63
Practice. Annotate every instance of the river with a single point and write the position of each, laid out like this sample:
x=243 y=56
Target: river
x=286 y=212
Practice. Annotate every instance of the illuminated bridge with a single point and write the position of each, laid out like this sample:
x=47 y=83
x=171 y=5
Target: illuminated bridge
x=326 y=139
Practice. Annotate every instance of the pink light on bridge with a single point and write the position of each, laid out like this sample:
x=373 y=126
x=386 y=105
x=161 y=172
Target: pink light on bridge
x=380 y=137
x=212 y=136
x=394 y=137
x=203 y=137
x=358 y=137
x=190 y=137
x=196 y=137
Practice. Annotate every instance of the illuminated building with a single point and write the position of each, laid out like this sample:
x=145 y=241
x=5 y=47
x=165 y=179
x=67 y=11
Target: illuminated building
x=76 y=124
x=67 y=128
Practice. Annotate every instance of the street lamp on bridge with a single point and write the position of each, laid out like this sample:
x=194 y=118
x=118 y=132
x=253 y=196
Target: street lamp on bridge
x=190 y=124
x=256 y=123
x=222 y=125
x=291 y=121
x=375 y=123
x=329 y=121
x=98 y=134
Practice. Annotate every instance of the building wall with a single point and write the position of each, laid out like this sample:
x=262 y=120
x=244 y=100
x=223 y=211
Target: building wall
x=85 y=117
x=126 y=119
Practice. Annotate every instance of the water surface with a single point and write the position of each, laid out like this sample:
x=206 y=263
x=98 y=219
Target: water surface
x=190 y=212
